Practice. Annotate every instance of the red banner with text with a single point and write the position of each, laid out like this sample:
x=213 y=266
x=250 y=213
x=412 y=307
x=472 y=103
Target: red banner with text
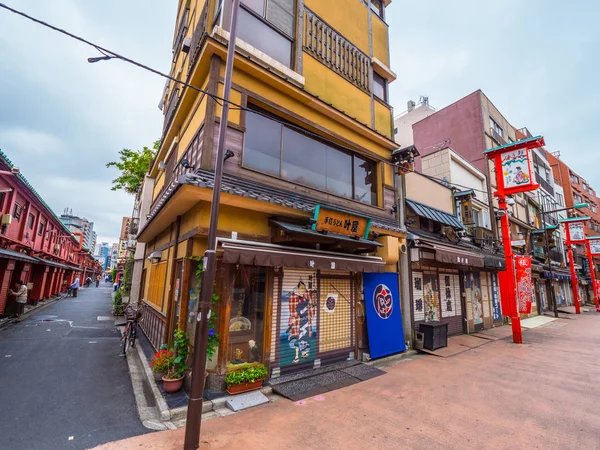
x=524 y=284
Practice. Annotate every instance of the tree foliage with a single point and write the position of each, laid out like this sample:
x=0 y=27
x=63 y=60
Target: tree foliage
x=133 y=165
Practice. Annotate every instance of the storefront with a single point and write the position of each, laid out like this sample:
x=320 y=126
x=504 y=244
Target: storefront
x=454 y=285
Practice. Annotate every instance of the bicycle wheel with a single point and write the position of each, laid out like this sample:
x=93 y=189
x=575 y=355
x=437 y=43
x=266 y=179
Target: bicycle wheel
x=133 y=335
x=125 y=340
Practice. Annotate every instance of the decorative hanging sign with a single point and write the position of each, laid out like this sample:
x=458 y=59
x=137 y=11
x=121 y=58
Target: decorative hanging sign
x=524 y=284
x=595 y=248
x=576 y=231
x=466 y=209
x=330 y=303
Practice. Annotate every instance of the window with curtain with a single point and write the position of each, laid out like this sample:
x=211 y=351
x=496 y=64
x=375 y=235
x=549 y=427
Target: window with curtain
x=286 y=152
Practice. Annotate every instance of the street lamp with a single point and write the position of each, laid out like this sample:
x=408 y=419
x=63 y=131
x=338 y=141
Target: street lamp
x=547 y=245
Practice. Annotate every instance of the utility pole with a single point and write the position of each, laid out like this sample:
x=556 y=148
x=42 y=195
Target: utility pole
x=194 y=414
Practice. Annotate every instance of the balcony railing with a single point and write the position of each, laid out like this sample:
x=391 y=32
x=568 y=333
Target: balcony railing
x=333 y=50
x=197 y=38
x=544 y=184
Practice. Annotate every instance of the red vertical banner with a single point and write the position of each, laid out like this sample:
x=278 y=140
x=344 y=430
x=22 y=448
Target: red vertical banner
x=524 y=284
x=597 y=288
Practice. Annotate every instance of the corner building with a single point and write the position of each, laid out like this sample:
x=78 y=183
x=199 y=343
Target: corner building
x=309 y=201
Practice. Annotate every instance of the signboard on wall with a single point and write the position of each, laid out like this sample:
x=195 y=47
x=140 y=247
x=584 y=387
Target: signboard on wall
x=516 y=169
x=524 y=284
x=384 y=318
x=340 y=222
x=466 y=211
x=595 y=248
x=576 y=231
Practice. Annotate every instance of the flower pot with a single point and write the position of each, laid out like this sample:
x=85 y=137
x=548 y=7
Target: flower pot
x=172 y=385
x=158 y=375
x=244 y=387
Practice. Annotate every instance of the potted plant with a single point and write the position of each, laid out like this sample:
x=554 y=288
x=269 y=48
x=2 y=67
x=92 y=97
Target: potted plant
x=173 y=379
x=247 y=378
x=161 y=361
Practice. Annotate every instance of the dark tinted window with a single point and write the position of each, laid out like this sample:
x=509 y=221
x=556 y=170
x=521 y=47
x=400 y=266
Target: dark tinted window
x=379 y=88
x=261 y=36
x=304 y=160
x=262 y=144
x=365 y=189
x=377 y=7
x=339 y=173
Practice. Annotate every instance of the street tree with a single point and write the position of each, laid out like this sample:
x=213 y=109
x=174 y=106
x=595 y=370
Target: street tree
x=133 y=166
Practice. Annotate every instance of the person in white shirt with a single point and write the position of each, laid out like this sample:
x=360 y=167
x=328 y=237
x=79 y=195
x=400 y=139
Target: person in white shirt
x=20 y=294
x=75 y=286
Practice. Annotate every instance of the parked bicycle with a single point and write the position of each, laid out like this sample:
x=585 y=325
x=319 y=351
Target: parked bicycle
x=133 y=314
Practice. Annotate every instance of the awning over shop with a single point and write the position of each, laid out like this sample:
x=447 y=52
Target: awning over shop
x=556 y=275
x=457 y=256
x=11 y=254
x=55 y=264
x=494 y=262
x=297 y=234
x=437 y=215
x=271 y=255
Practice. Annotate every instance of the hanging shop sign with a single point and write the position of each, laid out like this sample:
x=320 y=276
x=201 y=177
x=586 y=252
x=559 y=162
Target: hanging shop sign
x=466 y=211
x=576 y=231
x=595 y=248
x=339 y=222
x=524 y=284
x=384 y=318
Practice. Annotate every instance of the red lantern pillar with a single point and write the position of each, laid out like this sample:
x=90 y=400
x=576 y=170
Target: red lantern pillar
x=592 y=274
x=574 y=279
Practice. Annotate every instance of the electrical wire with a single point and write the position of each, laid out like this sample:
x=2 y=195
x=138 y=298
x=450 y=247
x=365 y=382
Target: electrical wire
x=109 y=53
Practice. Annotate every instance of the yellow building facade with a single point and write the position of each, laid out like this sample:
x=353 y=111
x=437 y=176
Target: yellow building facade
x=308 y=197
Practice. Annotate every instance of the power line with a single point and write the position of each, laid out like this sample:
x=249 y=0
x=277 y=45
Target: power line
x=111 y=54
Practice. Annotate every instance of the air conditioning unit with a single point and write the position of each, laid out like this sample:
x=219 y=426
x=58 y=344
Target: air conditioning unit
x=186 y=45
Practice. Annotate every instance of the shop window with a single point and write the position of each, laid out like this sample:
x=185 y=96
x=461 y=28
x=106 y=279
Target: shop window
x=279 y=150
x=246 y=326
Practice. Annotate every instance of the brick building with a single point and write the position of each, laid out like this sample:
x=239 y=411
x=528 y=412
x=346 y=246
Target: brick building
x=35 y=246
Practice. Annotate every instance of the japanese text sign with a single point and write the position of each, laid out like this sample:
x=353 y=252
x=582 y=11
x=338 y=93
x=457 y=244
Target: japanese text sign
x=342 y=223
x=576 y=231
x=524 y=284
x=516 y=169
x=595 y=248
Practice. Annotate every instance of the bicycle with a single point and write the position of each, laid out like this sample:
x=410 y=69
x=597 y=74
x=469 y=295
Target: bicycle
x=132 y=315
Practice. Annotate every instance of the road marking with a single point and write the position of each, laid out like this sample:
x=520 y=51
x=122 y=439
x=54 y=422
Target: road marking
x=7 y=356
x=92 y=342
x=71 y=438
x=48 y=329
x=100 y=318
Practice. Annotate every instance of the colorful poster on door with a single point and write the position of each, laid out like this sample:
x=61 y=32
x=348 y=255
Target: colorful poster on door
x=496 y=309
x=298 y=335
x=516 y=169
x=384 y=318
x=576 y=231
x=524 y=284
x=476 y=298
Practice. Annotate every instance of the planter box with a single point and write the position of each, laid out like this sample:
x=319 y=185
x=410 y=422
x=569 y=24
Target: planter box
x=244 y=387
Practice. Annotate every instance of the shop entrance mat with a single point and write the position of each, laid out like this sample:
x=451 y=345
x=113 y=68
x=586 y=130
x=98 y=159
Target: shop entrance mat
x=324 y=379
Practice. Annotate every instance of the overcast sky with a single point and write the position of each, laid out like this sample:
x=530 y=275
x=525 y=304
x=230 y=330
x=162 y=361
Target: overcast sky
x=62 y=119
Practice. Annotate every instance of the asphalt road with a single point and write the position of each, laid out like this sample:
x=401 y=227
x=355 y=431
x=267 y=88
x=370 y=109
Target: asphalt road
x=63 y=385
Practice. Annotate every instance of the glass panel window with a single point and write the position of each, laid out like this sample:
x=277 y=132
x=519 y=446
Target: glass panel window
x=258 y=6
x=262 y=145
x=261 y=36
x=339 y=173
x=379 y=87
x=30 y=221
x=281 y=14
x=495 y=127
x=41 y=228
x=18 y=209
x=365 y=189
x=377 y=7
x=304 y=160
x=246 y=326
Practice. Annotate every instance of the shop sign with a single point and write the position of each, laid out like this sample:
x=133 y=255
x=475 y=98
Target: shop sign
x=576 y=231
x=524 y=284
x=595 y=248
x=518 y=243
x=384 y=318
x=341 y=223
x=466 y=211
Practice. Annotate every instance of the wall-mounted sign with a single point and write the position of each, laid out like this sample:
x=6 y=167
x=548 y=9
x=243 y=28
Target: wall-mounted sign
x=595 y=248
x=466 y=211
x=576 y=231
x=519 y=243
x=340 y=222
x=524 y=284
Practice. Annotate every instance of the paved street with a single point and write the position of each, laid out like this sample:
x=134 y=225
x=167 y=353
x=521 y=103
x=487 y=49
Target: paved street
x=543 y=394
x=62 y=378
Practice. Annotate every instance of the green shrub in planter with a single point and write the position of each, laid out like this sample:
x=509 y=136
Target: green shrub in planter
x=247 y=374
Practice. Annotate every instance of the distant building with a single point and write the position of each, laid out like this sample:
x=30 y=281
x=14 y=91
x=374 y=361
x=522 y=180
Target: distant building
x=76 y=223
x=403 y=122
x=103 y=254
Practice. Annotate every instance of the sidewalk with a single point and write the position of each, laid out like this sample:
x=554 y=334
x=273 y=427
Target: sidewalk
x=542 y=394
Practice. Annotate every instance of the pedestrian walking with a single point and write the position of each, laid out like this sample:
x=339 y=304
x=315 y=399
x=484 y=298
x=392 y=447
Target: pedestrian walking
x=75 y=286
x=98 y=278
x=88 y=281
x=20 y=294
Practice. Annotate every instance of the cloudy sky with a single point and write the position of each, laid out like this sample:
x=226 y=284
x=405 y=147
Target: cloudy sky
x=62 y=119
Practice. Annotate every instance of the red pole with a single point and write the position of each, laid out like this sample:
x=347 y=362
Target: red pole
x=574 y=280
x=515 y=319
x=592 y=274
